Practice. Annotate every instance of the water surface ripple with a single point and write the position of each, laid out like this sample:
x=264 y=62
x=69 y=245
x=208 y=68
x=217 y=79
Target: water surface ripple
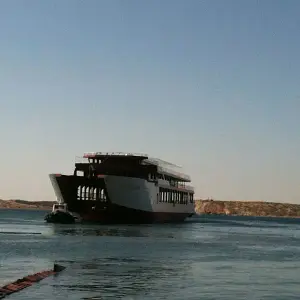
x=204 y=258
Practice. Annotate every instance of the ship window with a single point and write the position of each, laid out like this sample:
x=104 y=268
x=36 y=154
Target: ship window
x=87 y=190
x=161 y=195
x=78 y=193
x=83 y=192
x=191 y=198
x=102 y=195
x=91 y=193
x=97 y=194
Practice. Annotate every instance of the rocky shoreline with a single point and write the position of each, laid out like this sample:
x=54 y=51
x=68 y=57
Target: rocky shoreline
x=215 y=207
x=247 y=208
x=22 y=204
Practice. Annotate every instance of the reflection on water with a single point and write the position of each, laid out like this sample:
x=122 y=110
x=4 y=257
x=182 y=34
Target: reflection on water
x=102 y=230
x=120 y=276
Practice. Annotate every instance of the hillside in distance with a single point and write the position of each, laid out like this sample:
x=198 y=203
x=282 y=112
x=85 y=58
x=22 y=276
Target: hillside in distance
x=247 y=208
x=23 y=204
x=216 y=207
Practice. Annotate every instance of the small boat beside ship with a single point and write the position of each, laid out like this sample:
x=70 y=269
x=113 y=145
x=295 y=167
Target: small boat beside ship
x=61 y=214
x=111 y=188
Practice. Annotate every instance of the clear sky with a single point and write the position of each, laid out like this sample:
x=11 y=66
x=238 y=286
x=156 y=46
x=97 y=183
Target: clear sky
x=209 y=85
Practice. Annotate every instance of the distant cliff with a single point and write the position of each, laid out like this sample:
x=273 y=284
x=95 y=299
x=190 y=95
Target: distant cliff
x=247 y=208
x=22 y=204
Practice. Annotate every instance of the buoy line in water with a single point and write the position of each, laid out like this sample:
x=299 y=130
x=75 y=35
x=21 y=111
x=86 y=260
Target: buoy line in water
x=27 y=281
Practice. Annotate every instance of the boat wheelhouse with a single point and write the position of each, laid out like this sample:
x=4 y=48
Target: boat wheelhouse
x=125 y=188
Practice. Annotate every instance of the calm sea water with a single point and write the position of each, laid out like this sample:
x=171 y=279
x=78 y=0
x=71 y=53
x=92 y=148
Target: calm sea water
x=203 y=258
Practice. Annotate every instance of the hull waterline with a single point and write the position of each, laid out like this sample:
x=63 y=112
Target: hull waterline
x=115 y=214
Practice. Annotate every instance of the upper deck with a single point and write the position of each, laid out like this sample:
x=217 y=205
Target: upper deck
x=163 y=167
x=169 y=169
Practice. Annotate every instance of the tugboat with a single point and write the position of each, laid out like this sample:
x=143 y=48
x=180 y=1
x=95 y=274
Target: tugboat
x=60 y=214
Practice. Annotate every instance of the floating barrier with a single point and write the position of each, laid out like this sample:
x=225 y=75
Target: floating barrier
x=27 y=281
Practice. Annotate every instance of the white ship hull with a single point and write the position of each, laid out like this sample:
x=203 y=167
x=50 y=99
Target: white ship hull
x=142 y=195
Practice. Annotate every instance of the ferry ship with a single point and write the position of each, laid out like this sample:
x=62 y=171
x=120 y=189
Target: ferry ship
x=114 y=188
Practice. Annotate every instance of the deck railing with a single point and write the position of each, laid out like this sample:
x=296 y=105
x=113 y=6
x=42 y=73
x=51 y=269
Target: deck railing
x=95 y=154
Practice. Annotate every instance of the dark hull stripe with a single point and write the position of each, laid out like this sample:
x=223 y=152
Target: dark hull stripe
x=115 y=214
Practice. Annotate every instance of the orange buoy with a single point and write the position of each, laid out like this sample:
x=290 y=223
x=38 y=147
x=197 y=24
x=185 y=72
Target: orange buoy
x=27 y=281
